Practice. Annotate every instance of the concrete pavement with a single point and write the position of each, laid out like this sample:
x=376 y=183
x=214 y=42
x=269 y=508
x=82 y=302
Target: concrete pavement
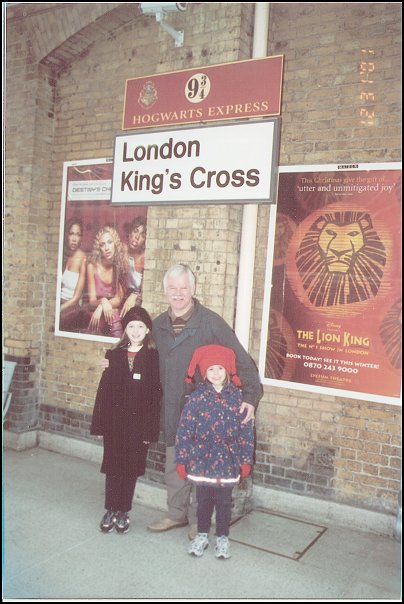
x=54 y=550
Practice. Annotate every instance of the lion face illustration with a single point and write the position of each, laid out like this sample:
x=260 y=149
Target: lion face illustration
x=341 y=259
x=339 y=243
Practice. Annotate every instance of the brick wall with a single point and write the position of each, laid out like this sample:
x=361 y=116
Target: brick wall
x=29 y=117
x=330 y=447
x=69 y=106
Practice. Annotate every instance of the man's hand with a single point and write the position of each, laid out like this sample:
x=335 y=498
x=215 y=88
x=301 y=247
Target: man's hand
x=250 y=412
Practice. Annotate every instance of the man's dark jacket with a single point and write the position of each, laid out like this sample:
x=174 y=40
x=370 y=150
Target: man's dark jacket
x=204 y=327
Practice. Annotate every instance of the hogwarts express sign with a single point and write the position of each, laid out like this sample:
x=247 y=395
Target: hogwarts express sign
x=242 y=89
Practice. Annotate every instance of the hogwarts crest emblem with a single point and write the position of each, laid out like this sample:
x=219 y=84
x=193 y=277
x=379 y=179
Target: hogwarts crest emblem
x=148 y=95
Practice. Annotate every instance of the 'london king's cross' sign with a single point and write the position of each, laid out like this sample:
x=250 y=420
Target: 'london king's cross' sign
x=231 y=163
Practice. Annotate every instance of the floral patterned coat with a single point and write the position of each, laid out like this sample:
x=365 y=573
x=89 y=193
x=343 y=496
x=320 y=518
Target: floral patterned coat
x=211 y=441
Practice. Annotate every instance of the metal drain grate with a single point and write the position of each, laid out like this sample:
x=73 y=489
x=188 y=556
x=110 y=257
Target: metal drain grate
x=276 y=534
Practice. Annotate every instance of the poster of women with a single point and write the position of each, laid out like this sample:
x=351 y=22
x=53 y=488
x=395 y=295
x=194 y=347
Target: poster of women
x=101 y=254
x=332 y=309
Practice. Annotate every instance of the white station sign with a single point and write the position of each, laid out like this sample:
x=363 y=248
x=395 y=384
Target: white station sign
x=210 y=164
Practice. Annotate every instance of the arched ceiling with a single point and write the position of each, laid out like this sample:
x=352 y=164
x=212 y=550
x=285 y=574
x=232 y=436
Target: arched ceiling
x=60 y=32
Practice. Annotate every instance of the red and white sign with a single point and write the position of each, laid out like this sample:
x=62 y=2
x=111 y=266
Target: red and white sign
x=230 y=91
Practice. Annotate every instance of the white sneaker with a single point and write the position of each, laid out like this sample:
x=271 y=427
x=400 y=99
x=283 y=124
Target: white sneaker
x=222 y=549
x=199 y=544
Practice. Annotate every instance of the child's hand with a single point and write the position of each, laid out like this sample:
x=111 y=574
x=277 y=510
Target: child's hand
x=181 y=471
x=245 y=470
x=104 y=363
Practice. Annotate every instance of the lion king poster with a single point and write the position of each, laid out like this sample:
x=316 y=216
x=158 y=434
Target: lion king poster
x=332 y=309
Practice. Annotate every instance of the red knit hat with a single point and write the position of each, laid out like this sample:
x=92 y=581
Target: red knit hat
x=213 y=354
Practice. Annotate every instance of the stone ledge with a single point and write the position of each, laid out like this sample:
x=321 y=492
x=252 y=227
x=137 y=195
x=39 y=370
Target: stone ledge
x=281 y=502
x=323 y=512
x=19 y=441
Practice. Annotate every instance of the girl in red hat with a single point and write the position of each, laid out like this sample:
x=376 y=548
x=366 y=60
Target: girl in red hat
x=214 y=449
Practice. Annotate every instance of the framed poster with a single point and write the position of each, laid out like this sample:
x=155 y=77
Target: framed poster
x=332 y=308
x=101 y=254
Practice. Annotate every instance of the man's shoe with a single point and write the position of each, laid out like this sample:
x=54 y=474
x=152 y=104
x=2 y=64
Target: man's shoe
x=108 y=521
x=165 y=525
x=122 y=522
x=193 y=531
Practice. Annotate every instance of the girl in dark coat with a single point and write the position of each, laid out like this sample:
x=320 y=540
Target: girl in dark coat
x=127 y=415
